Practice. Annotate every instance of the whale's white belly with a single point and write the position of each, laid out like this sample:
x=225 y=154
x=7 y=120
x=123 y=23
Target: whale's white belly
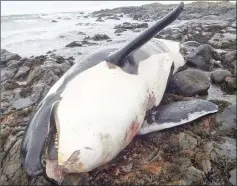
x=97 y=109
x=103 y=108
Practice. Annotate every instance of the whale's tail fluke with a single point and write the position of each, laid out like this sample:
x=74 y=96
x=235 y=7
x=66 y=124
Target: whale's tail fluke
x=119 y=56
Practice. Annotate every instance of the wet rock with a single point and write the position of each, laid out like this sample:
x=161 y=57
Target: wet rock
x=113 y=17
x=226 y=148
x=74 y=44
x=230 y=61
x=54 y=21
x=218 y=76
x=226 y=40
x=202 y=159
x=229 y=85
x=18 y=97
x=230 y=56
x=208 y=147
x=186 y=141
x=49 y=77
x=227 y=118
x=234 y=67
x=22 y=72
x=100 y=37
x=136 y=30
x=60 y=60
x=38 y=60
x=131 y=26
x=233 y=176
x=119 y=30
x=201 y=57
x=5 y=131
x=8 y=56
x=195 y=10
x=182 y=163
x=81 y=33
x=99 y=19
x=15 y=63
x=85 y=42
x=189 y=83
x=12 y=168
x=7 y=73
x=193 y=176
x=10 y=85
x=22 y=103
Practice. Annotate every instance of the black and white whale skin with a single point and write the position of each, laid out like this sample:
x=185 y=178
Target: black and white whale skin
x=97 y=107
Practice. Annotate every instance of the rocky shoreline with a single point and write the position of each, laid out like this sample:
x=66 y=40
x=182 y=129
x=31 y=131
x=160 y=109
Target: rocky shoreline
x=202 y=152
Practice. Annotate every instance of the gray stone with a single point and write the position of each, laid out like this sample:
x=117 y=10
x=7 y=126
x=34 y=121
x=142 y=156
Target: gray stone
x=186 y=141
x=74 y=44
x=233 y=65
x=48 y=77
x=189 y=83
x=218 y=40
x=7 y=73
x=15 y=63
x=100 y=37
x=22 y=103
x=228 y=117
x=119 y=30
x=37 y=90
x=233 y=176
x=229 y=85
x=22 y=72
x=226 y=148
x=230 y=56
x=99 y=19
x=131 y=26
x=201 y=57
x=193 y=176
x=8 y=56
x=218 y=76
x=12 y=167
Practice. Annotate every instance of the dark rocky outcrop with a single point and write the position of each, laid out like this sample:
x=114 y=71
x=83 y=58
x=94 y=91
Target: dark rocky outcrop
x=19 y=98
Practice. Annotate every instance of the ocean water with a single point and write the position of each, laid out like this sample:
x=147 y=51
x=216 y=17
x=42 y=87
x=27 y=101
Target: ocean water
x=31 y=35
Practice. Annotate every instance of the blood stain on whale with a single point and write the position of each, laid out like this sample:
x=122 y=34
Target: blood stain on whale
x=132 y=131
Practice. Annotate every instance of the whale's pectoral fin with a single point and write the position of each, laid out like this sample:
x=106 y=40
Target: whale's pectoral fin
x=177 y=113
x=35 y=137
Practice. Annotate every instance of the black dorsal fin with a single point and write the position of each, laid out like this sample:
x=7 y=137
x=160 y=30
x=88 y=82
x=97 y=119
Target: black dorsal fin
x=118 y=57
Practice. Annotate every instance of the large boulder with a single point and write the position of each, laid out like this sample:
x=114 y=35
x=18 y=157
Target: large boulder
x=189 y=83
x=201 y=58
x=218 y=76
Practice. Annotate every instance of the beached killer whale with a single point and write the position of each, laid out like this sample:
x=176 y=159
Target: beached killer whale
x=97 y=107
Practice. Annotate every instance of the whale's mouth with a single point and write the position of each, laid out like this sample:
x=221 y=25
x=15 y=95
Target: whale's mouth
x=49 y=158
